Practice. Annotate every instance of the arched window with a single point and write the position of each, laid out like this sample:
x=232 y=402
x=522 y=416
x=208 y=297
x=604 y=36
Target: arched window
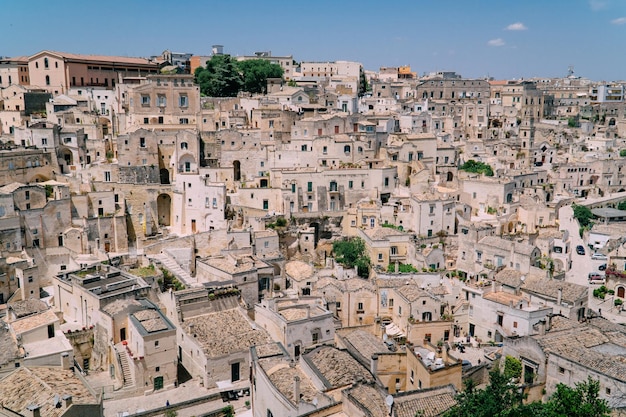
x=47 y=80
x=184 y=145
x=45 y=62
x=346 y=149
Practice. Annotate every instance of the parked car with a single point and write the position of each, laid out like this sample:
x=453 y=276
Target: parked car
x=602 y=267
x=596 y=278
x=599 y=256
x=580 y=250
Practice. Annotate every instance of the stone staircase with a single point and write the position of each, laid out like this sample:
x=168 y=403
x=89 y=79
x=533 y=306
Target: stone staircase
x=126 y=372
x=171 y=265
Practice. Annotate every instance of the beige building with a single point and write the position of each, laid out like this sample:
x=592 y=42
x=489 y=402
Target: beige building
x=168 y=101
x=298 y=324
x=56 y=72
x=226 y=358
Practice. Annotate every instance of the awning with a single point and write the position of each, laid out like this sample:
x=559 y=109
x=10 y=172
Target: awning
x=393 y=330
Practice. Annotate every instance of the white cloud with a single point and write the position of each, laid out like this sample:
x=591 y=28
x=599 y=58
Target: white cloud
x=619 y=21
x=516 y=26
x=596 y=5
x=496 y=42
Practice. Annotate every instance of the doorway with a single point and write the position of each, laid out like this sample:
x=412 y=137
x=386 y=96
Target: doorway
x=158 y=383
x=123 y=333
x=234 y=372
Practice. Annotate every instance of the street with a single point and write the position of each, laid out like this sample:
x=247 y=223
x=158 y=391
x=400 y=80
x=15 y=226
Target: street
x=582 y=265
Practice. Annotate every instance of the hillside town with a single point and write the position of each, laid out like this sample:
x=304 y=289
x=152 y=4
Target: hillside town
x=323 y=241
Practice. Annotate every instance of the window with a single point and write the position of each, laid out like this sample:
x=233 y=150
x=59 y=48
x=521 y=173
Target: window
x=325 y=150
x=309 y=186
x=266 y=204
x=183 y=101
x=27 y=195
x=359 y=307
x=183 y=121
x=380 y=257
x=107 y=176
x=45 y=63
x=146 y=120
x=303 y=148
x=145 y=100
x=142 y=142
x=157 y=369
x=561 y=370
x=386 y=181
x=293 y=188
x=156 y=343
x=161 y=100
x=47 y=80
x=50 y=331
x=271 y=124
x=184 y=145
x=500 y=319
x=44 y=141
x=350 y=184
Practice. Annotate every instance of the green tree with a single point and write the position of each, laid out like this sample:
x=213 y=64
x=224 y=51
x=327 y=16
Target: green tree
x=255 y=73
x=503 y=399
x=402 y=268
x=364 y=86
x=512 y=367
x=220 y=77
x=621 y=205
x=477 y=168
x=581 y=401
x=497 y=397
x=583 y=215
x=350 y=253
x=622 y=152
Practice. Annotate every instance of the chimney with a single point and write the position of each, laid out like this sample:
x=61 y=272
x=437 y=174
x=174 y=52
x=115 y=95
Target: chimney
x=374 y=364
x=493 y=285
x=65 y=360
x=548 y=322
x=559 y=296
x=67 y=401
x=296 y=389
x=33 y=411
x=542 y=327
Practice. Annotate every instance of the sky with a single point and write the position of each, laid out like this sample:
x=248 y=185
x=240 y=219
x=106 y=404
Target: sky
x=503 y=39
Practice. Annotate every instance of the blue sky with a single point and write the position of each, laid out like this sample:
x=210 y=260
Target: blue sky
x=499 y=38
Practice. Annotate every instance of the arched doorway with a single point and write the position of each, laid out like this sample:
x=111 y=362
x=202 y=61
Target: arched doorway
x=237 y=170
x=449 y=176
x=620 y=292
x=165 y=175
x=164 y=204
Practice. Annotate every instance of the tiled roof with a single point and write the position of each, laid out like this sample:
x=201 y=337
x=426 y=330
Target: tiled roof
x=32 y=322
x=382 y=233
x=236 y=333
x=102 y=58
x=570 y=292
x=27 y=307
x=8 y=346
x=282 y=376
x=365 y=343
x=39 y=386
x=427 y=403
x=337 y=367
x=502 y=297
x=151 y=320
x=594 y=348
x=268 y=349
x=369 y=399
x=509 y=277
x=299 y=270
x=412 y=292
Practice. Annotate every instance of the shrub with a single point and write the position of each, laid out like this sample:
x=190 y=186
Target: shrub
x=618 y=302
x=281 y=222
x=477 y=168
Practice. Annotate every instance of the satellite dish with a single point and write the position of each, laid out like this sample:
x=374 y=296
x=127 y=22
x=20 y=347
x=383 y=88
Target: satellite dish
x=389 y=400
